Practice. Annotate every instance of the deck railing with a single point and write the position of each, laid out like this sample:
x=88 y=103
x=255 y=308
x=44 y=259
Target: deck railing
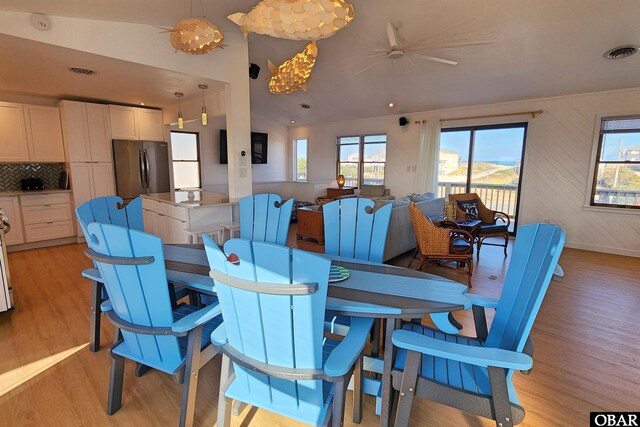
x=503 y=197
x=497 y=197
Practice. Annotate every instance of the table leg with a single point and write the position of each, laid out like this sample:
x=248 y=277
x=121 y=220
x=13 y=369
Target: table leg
x=389 y=359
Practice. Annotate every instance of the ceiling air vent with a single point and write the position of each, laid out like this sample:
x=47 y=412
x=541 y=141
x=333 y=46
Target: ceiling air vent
x=84 y=71
x=621 y=52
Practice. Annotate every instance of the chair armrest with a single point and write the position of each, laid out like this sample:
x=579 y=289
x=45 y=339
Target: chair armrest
x=196 y=318
x=483 y=300
x=478 y=356
x=106 y=306
x=501 y=215
x=219 y=335
x=92 y=274
x=345 y=354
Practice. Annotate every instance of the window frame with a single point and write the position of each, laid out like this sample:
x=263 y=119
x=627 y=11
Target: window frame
x=295 y=158
x=198 y=158
x=360 y=163
x=596 y=162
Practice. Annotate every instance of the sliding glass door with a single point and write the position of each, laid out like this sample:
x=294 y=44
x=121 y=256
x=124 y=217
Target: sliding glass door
x=486 y=160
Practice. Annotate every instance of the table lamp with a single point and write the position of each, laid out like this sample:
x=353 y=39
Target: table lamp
x=340 y=181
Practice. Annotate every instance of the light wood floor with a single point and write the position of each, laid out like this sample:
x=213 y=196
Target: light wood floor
x=587 y=351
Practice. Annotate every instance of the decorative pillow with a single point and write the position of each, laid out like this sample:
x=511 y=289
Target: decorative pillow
x=421 y=197
x=470 y=208
x=402 y=201
x=372 y=191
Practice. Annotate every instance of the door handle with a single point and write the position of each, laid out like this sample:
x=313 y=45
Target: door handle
x=147 y=167
x=142 y=175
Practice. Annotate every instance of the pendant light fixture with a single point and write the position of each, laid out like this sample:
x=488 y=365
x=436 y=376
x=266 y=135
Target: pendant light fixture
x=180 y=119
x=204 y=109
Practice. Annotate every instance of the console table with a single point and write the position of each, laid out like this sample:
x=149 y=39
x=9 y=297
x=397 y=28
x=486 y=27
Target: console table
x=334 y=193
x=311 y=224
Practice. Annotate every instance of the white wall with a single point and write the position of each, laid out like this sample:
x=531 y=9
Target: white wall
x=557 y=166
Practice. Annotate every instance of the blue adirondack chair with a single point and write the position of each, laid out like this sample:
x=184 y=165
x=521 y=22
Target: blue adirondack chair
x=106 y=210
x=475 y=374
x=353 y=230
x=265 y=218
x=148 y=329
x=273 y=300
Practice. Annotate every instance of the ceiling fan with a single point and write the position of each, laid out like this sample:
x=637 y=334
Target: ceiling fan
x=399 y=48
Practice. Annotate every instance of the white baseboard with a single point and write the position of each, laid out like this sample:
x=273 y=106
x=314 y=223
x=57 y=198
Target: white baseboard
x=605 y=249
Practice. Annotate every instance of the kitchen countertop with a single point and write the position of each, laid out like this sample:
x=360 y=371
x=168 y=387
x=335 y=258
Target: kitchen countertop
x=201 y=198
x=33 y=192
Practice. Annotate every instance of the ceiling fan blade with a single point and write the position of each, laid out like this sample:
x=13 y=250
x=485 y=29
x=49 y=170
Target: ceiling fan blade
x=393 y=36
x=366 y=68
x=435 y=59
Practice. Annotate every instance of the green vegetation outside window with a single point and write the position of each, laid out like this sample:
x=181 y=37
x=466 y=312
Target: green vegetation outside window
x=616 y=180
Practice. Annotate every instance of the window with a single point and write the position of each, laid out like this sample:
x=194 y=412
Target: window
x=300 y=159
x=486 y=160
x=616 y=179
x=185 y=158
x=361 y=159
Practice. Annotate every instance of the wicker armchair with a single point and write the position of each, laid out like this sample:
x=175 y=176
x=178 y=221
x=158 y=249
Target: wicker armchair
x=441 y=244
x=494 y=223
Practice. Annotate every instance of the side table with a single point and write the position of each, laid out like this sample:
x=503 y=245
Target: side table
x=311 y=224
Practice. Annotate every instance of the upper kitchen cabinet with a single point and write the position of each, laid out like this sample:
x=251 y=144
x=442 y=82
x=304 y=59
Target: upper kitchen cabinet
x=30 y=133
x=136 y=123
x=44 y=134
x=13 y=135
x=86 y=131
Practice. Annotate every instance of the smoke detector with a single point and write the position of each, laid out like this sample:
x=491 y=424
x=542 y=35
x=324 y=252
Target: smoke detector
x=621 y=52
x=40 y=21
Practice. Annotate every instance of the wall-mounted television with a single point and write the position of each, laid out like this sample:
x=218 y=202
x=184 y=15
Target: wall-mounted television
x=258 y=147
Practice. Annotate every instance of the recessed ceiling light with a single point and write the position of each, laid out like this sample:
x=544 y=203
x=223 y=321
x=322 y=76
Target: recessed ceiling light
x=391 y=105
x=83 y=71
x=293 y=121
x=621 y=52
x=305 y=106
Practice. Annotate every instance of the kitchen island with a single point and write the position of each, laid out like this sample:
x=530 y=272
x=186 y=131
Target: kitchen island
x=179 y=218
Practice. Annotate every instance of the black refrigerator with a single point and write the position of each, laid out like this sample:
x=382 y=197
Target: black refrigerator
x=141 y=167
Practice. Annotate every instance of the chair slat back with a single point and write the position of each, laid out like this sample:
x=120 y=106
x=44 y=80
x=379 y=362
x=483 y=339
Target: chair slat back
x=535 y=256
x=139 y=294
x=350 y=231
x=264 y=218
x=282 y=330
x=107 y=210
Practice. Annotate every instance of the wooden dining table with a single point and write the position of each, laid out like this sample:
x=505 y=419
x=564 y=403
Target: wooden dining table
x=372 y=290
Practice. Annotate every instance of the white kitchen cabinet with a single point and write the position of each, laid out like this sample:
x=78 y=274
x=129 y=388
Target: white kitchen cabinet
x=174 y=230
x=46 y=216
x=91 y=180
x=87 y=133
x=149 y=124
x=123 y=122
x=99 y=132
x=136 y=123
x=13 y=135
x=44 y=133
x=11 y=206
x=103 y=179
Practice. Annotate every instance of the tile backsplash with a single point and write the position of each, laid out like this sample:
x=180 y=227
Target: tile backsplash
x=11 y=174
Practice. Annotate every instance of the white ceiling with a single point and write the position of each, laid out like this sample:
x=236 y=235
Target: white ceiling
x=538 y=48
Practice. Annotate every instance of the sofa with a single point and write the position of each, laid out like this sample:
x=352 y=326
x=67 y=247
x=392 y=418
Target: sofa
x=400 y=237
